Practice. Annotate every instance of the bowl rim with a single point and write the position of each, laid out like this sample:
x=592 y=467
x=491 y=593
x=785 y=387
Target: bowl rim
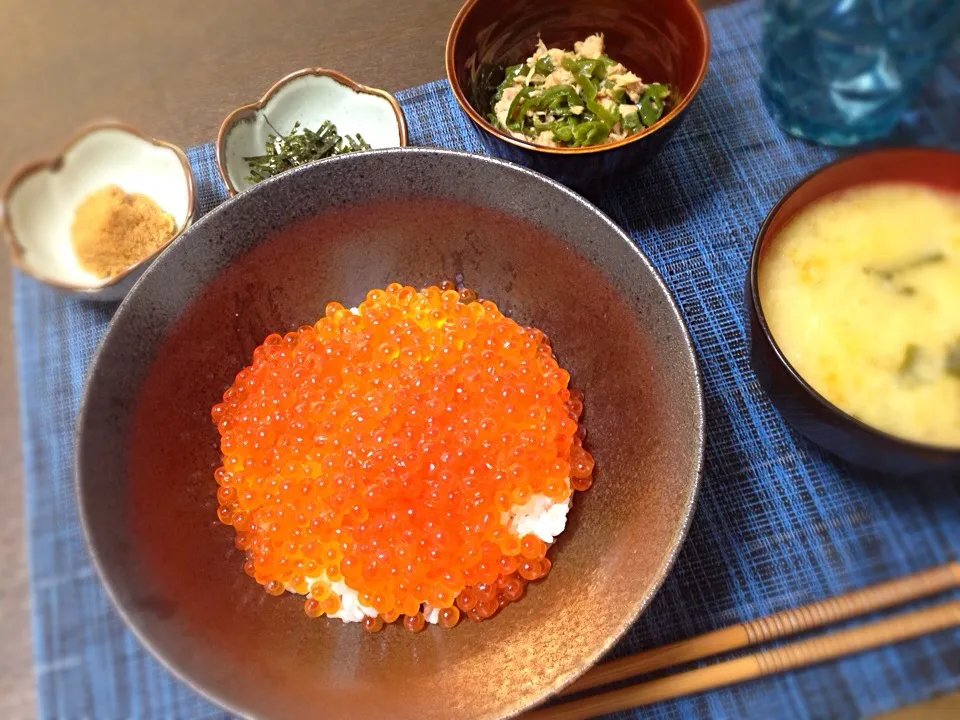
x=760 y=241
x=676 y=541
x=241 y=113
x=54 y=163
x=485 y=125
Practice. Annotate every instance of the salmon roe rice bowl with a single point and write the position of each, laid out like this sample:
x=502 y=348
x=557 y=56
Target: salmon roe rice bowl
x=411 y=459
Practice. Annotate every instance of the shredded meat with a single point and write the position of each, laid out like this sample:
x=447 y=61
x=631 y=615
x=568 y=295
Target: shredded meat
x=591 y=48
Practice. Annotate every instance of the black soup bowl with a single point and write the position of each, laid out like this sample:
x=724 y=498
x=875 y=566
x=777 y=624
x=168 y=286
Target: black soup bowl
x=269 y=260
x=803 y=407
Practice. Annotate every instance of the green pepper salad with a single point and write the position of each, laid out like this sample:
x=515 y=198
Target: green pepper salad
x=559 y=98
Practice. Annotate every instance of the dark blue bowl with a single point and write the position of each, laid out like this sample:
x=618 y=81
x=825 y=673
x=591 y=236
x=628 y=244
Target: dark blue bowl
x=661 y=40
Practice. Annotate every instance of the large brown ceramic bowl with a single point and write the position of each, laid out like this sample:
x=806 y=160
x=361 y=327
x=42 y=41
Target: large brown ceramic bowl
x=270 y=259
x=663 y=41
x=802 y=406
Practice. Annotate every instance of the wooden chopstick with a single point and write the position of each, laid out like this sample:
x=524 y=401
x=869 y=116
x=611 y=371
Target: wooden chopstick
x=768 y=662
x=783 y=624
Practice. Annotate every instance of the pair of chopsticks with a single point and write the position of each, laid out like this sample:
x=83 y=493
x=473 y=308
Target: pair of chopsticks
x=767 y=662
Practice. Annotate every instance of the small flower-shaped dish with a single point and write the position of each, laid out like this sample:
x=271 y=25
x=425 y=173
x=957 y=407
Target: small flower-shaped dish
x=39 y=202
x=309 y=97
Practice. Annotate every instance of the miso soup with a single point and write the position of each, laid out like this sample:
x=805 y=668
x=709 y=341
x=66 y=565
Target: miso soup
x=861 y=291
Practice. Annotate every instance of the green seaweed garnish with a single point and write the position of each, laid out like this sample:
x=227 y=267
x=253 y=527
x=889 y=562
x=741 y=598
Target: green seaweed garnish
x=953 y=359
x=910 y=364
x=300 y=146
x=890 y=272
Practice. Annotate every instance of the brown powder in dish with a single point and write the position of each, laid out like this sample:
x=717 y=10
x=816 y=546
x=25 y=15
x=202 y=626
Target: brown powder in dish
x=113 y=230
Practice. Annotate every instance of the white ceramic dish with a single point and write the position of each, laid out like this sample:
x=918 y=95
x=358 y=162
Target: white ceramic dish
x=309 y=97
x=40 y=200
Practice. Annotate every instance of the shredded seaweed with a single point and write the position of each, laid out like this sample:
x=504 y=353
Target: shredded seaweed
x=300 y=146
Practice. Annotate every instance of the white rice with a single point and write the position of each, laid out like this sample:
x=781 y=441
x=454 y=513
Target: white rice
x=540 y=516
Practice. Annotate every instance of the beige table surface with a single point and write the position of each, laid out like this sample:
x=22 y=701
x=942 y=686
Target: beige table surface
x=174 y=69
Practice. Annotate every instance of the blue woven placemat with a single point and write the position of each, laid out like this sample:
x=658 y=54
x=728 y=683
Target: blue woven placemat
x=778 y=523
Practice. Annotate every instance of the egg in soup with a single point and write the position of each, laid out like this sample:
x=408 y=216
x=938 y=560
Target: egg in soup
x=861 y=292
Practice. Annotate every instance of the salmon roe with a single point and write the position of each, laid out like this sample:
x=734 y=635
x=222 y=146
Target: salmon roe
x=388 y=449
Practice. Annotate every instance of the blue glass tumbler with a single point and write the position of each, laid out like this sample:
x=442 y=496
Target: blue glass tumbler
x=842 y=72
